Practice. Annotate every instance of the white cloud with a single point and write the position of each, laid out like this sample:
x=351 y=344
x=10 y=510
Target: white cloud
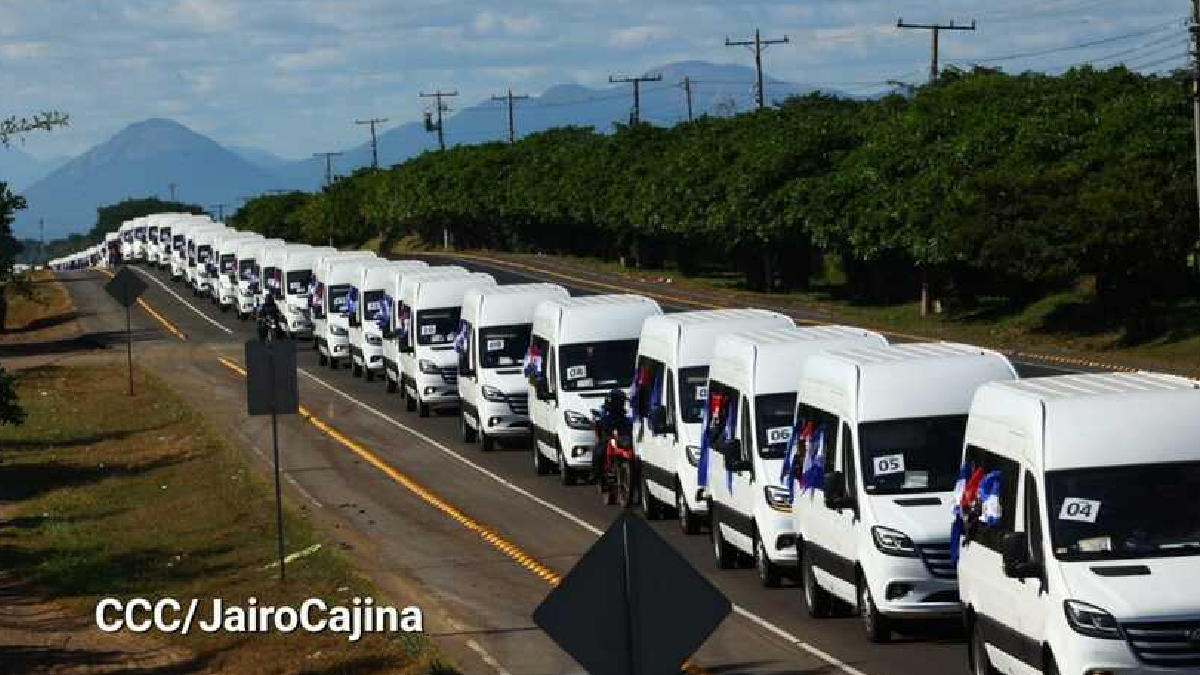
x=639 y=35
x=309 y=60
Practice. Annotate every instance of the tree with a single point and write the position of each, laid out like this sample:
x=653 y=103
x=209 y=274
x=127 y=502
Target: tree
x=10 y=406
x=15 y=127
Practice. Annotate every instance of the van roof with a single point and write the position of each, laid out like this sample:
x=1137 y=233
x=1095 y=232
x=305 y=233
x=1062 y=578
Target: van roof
x=1047 y=389
x=602 y=301
x=517 y=289
x=910 y=352
x=706 y=316
x=770 y=360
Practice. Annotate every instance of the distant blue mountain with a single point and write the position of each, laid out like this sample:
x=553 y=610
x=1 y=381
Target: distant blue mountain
x=20 y=169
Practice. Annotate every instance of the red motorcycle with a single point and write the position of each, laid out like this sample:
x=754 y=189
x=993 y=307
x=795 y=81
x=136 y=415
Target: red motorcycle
x=617 y=479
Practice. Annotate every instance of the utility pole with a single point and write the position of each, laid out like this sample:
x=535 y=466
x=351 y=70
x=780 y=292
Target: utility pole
x=441 y=107
x=935 y=30
x=42 y=234
x=328 y=165
x=636 y=117
x=758 y=45
x=374 y=140
x=220 y=211
x=687 y=92
x=171 y=186
x=1194 y=29
x=512 y=124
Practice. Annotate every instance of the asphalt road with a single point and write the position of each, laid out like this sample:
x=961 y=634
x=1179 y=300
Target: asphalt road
x=553 y=523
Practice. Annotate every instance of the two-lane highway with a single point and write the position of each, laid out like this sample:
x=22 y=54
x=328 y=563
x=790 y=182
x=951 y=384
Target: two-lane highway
x=555 y=523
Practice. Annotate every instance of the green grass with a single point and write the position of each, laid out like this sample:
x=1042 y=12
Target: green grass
x=121 y=496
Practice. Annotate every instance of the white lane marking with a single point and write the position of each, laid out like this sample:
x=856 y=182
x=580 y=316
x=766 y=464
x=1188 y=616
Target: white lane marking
x=741 y=611
x=307 y=495
x=487 y=658
x=178 y=297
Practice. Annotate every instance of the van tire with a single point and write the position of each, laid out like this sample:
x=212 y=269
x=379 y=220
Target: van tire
x=486 y=443
x=768 y=572
x=565 y=475
x=468 y=432
x=355 y=369
x=688 y=522
x=333 y=364
x=652 y=509
x=541 y=465
x=391 y=385
x=322 y=360
x=876 y=625
x=723 y=553
x=817 y=600
x=977 y=657
x=422 y=409
x=410 y=403
x=368 y=374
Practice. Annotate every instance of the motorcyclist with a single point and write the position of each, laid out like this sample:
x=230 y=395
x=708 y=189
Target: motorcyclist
x=268 y=316
x=614 y=421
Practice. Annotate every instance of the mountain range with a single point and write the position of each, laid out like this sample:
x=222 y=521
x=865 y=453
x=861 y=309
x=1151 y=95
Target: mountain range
x=145 y=157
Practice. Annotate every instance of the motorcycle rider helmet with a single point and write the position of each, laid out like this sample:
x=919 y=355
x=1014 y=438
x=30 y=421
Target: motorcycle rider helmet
x=615 y=400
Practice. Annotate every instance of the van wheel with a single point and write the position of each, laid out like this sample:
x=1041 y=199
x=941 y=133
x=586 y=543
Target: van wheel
x=688 y=522
x=651 y=507
x=625 y=486
x=768 y=572
x=391 y=385
x=816 y=599
x=877 y=626
x=422 y=409
x=410 y=403
x=322 y=360
x=541 y=465
x=486 y=443
x=565 y=475
x=369 y=374
x=355 y=369
x=977 y=652
x=468 y=433
x=723 y=553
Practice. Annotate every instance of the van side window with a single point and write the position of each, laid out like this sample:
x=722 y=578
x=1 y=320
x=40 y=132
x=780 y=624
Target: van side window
x=466 y=360
x=728 y=396
x=822 y=421
x=1033 y=519
x=551 y=369
x=669 y=397
x=991 y=536
x=846 y=458
x=746 y=431
x=649 y=380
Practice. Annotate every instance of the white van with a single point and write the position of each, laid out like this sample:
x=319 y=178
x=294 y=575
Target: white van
x=247 y=254
x=297 y=275
x=203 y=268
x=180 y=253
x=112 y=250
x=225 y=249
x=430 y=310
x=368 y=293
x=152 y=240
x=675 y=350
x=498 y=321
x=126 y=232
x=887 y=424
x=331 y=323
x=270 y=268
x=581 y=349
x=753 y=382
x=393 y=330
x=1091 y=561
x=139 y=239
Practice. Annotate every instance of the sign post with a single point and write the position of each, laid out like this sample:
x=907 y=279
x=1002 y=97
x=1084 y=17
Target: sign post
x=126 y=287
x=271 y=389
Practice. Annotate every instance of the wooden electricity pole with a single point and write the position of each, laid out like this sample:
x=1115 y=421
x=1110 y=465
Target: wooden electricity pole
x=511 y=98
x=441 y=107
x=636 y=117
x=374 y=139
x=757 y=45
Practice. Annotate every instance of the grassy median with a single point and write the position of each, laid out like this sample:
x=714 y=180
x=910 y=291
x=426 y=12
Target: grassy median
x=36 y=301
x=111 y=495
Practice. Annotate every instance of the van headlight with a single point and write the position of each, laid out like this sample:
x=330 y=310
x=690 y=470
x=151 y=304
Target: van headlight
x=492 y=394
x=693 y=455
x=339 y=331
x=777 y=498
x=1091 y=621
x=428 y=367
x=577 y=421
x=893 y=542
x=374 y=340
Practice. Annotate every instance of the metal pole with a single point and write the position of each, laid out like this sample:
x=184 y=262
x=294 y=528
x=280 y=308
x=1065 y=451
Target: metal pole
x=758 y=93
x=278 y=485
x=512 y=124
x=933 y=65
x=631 y=623
x=128 y=342
x=1195 y=30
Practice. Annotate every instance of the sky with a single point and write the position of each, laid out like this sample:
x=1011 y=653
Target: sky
x=291 y=76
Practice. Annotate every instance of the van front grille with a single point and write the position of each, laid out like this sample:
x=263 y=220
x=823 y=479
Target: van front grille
x=450 y=374
x=519 y=403
x=1168 y=643
x=937 y=560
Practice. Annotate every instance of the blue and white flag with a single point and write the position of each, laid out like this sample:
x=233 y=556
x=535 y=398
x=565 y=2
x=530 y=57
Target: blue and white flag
x=351 y=301
x=989 y=497
x=812 y=476
x=787 y=475
x=730 y=426
x=534 y=365
x=384 y=317
x=462 y=339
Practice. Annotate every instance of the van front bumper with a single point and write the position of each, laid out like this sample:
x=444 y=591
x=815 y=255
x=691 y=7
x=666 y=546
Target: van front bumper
x=903 y=588
x=778 y=532
x=338 y=347
x=577 y=446
x=498 y=419
x=434 y=390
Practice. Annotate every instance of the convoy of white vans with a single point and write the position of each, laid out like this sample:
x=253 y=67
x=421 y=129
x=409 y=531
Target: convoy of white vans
x=901 y=482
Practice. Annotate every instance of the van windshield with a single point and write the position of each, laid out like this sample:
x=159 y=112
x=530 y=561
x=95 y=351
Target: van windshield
x=227 y=262
x=337 y=298
x=773 y=418
x=922 y=454
x=437 y=326
x=177 y=241
x=372 y=303
x=153 y=235
x=297 y=281
x=140 y=234
x=597 y=365
x=246 y=269
x=202 y=253
x=503 y=346
x=1116 y=513
x=693 y=393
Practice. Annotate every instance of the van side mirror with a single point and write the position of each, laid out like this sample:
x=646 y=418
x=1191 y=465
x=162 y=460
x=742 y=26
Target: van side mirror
x=541 y=387
x=731 y=450
x=1014 y=551
x=660 y=422
x=354 y=322
x=835 y=492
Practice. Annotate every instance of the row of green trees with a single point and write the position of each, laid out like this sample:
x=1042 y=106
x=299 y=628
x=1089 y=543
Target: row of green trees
x=986 y=183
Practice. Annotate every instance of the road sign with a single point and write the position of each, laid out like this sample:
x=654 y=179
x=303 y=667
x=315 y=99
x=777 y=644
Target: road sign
x=125 y=287
x=271 y=386
x=632 y=605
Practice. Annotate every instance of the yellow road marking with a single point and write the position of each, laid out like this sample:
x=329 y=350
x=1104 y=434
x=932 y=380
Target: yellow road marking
x=154 y=313
x=426 y=495
x=536 y=271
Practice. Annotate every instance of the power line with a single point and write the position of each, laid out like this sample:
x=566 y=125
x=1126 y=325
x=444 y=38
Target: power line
x=374 y=140
x=757 y=46
x=635 y=117
x=511 y=98
x=441 y=108
x=1082 y=45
